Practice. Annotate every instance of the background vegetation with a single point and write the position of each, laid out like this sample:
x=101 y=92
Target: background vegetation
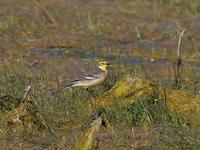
x=47 y=43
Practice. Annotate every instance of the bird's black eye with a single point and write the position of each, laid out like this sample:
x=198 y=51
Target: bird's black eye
x=103 y=63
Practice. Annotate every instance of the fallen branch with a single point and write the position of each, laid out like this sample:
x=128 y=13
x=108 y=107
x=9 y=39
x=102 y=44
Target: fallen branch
x=87 y=141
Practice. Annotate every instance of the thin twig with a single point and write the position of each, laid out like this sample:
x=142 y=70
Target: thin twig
x=45 y=12
x=179 y=43
x=178 y=62
x=81 y=68
x=27 y=91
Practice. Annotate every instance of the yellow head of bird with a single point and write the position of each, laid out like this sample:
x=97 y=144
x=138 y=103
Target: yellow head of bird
x=103 y=65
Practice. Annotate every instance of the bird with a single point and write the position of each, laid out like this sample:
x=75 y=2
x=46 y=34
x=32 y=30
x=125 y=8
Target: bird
x=89 y=80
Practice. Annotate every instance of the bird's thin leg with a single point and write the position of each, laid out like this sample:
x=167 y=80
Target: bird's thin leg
x=91 y=93
x=91 y=96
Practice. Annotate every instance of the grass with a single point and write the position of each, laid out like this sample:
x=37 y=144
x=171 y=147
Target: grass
x=52 y=114
x=152 y=110
x=102 y=30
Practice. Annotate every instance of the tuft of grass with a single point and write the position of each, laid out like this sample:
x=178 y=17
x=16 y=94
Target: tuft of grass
x=152 y=110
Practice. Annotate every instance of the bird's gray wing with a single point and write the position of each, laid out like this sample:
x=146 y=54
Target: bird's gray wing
x=92 y=76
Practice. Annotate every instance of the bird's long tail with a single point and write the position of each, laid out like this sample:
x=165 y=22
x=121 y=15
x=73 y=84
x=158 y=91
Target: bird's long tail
x=62 y=88
x=71 y=84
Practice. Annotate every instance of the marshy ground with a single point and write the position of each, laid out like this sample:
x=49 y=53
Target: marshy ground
x=44 y=44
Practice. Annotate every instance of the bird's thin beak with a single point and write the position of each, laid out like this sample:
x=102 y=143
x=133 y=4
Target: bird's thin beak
x=108 y=64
